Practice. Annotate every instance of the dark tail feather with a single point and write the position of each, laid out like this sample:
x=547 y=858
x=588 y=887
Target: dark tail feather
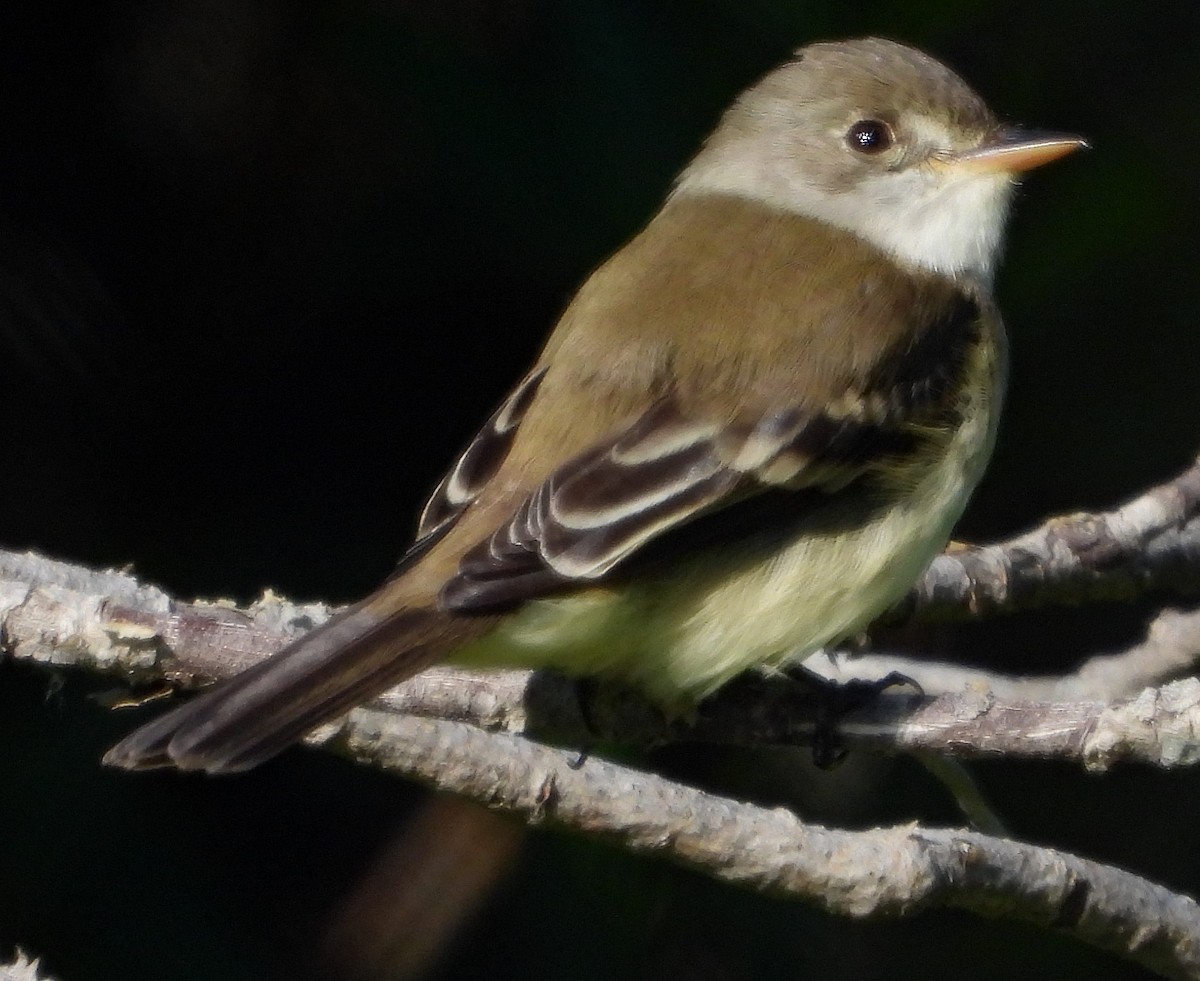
x=249 y=718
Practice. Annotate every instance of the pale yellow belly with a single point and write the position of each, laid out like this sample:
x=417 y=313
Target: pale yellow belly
x=681 y=636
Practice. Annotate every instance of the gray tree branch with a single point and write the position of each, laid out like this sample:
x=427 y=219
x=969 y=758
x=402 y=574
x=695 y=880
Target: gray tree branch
x=1150 y=543
x=21 y=968
x=61 y=615
x=895 y=871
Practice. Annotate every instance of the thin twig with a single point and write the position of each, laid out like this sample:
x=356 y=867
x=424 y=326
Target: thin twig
x=64 y=622
x=1152 y=542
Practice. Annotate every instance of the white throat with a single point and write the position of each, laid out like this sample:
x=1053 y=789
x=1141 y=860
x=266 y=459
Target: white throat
x=945 y=223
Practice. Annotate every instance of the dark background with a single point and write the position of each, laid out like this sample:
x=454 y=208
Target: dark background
x=263 y=267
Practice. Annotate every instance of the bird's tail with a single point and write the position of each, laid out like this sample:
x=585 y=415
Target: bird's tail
x=249 y=718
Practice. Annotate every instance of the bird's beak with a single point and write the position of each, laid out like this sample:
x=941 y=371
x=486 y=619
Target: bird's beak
x=1011 y=150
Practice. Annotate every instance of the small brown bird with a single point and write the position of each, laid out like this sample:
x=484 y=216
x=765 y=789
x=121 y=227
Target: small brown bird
x=748 y=434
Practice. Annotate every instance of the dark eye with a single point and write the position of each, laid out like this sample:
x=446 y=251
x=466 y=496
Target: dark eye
x=869 y=136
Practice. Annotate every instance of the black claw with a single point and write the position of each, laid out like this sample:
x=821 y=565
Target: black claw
x=835 y=701
x=585 y=696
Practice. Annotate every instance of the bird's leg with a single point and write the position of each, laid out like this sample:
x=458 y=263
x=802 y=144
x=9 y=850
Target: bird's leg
x=837 y=699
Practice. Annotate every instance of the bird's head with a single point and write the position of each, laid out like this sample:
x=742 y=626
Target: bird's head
x=883 y=141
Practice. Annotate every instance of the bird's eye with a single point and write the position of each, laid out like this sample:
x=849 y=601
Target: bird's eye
x=869 y=136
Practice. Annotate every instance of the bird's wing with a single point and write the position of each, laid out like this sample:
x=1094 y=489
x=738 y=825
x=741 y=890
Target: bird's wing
x=664 y=470
x=472 y=470
x=478 y=463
